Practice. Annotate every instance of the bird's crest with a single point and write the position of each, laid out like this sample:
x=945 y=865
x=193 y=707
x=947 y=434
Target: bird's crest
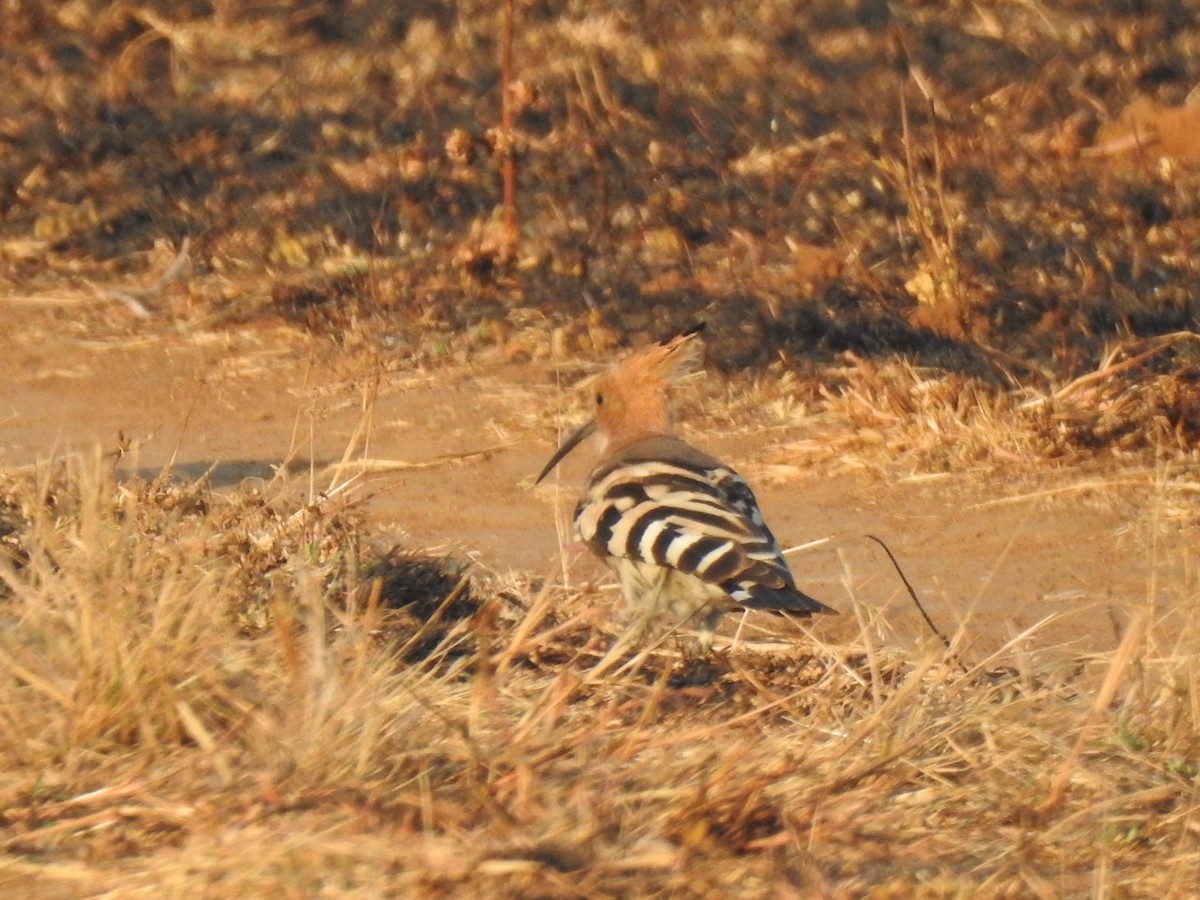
x=631 y=397
x=663 y=363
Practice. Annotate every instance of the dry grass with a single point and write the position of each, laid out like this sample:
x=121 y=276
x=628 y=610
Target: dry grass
x=153 y=743
x=1125 y=419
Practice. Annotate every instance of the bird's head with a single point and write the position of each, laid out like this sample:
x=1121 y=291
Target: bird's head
x=631 y=398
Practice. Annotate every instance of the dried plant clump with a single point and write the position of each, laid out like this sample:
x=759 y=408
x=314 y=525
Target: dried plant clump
x=12 y=525
x=423 y=600
x=1139 y=406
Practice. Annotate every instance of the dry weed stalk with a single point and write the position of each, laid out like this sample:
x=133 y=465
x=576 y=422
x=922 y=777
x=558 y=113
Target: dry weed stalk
x=938 y=285
x=511 y=238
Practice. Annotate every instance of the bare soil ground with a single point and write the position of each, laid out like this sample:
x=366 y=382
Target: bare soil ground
x=453 y=447
x=281 y=612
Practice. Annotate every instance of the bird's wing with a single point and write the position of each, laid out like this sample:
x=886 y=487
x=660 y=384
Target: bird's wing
x=699 y=519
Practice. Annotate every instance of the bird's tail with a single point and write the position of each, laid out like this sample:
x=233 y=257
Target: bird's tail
x=787 y=600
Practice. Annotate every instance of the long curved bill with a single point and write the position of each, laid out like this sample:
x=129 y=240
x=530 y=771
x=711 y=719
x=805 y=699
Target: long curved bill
x=582 y=432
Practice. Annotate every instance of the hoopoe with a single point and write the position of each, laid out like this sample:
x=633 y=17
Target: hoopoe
x=681 y=530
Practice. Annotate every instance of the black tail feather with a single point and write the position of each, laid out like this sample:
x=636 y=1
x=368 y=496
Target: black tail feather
x=778 y=600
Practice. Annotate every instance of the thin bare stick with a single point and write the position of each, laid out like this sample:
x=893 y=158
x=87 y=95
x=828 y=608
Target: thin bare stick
x=508 y=161
x=911 y=592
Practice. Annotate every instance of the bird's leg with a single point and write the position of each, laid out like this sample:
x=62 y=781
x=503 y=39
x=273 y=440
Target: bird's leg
x=708 y=631
x=642 y=626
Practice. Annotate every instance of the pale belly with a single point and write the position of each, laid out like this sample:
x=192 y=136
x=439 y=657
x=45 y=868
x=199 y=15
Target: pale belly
x=652 y=590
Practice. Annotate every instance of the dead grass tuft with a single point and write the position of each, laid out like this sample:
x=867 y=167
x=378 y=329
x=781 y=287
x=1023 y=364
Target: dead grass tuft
x=893 y=415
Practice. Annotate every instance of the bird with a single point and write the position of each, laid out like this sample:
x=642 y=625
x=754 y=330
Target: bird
x=681 y=530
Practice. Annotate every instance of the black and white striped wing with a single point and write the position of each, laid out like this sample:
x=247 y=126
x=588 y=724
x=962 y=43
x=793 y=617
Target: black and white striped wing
x=700 y=520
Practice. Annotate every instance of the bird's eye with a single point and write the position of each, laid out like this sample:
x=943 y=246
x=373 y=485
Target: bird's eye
x=599 y=399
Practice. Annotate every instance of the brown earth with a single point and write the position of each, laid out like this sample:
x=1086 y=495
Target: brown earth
x=454 y=448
